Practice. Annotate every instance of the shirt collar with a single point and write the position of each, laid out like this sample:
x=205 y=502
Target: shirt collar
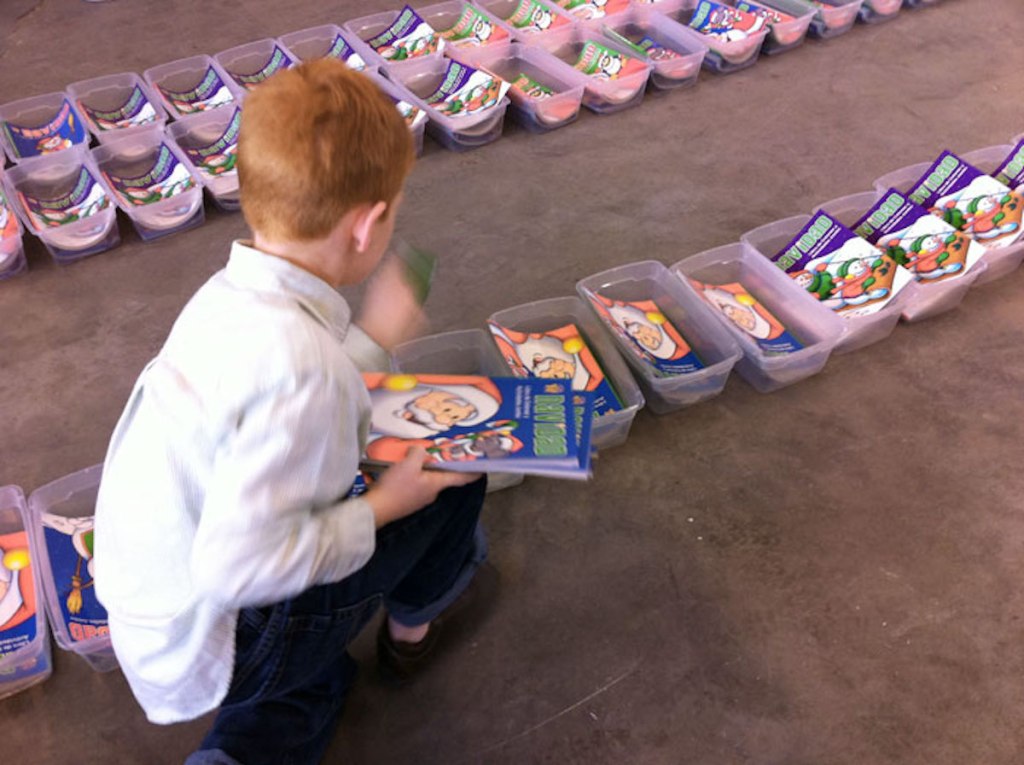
x=256 y=270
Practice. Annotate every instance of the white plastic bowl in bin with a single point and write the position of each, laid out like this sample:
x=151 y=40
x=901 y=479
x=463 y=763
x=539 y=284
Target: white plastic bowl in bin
x=677 y=52
x=61 y=514
x=611 y=428
x=250 y=64
x=24 y=641
x=818 y=329
x=420 y=78
x=518 y=60
x=834 y=17
x=190 y=85
x=12 y=248
x=722 y=57
x=41 y=126
x=875 y=11
x=63 y=199
x=117 y=105
x=861 y=331
x=602 y=94
x=787 y=35
x=462 y=352
x=209 y=142
x=366 y=28
x=540 y=17
x=716 y=349
x=328 y=40
x=927 y=299
x=403 y=102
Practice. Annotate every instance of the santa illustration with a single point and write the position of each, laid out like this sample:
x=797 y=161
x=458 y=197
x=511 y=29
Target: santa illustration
x=17 y=597
x=557 y=355
x=741 y=310
x=645 y=329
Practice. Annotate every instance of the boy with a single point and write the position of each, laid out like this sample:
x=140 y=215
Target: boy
x=234 y=570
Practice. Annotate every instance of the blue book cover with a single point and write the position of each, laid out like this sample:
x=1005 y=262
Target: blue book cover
x=69 y=546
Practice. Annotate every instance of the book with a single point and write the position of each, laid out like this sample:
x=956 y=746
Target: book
x=604 y=63
x=1011 y=171
x=341 y=50
x=136 y=110
x=69 y=548
x=413 y=115
x=166 y=177
x=649 y=335
x=409 y=36
x=530 y=88
x=977 y=204
x=465 y=91
x=276 y=61
x=209 y=93
x=533 y=16
x=736 y=303
x=770 y=15
x=17 y=593
x=642 y=44
x=83 y=200
x=592 y=9
x=917 y=240
x=558 y=354
x=725 y=23
x=474 y=28
x=846 y=273
x=62 y=131
x=471 y=423
x=220 y=156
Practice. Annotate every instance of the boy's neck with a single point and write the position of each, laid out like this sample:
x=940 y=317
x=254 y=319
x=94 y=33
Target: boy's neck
x=318 y=257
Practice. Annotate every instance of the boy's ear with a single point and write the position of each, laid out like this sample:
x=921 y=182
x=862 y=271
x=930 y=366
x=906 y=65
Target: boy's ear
x=366 y=218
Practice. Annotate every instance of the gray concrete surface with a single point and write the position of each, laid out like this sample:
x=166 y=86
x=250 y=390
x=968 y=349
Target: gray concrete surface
x=828 y=575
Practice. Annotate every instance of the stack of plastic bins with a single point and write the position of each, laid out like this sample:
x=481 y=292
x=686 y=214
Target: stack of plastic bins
x=402 y=100
x=463 y=352
x=12 y=250
x=788 y=34
x=250 y=64
x=190 y=85
x=61 y=525
x=1000 y=261
x=24 y=643
x=40 y=125
x=152 y=183
x=536 y=115
x=546 y=16
x=650 y=280
x=722 y=57
x=642 y=21
x=875 y=11
x=444 y=16
x=926 y=300
x=817 y=328
x=365 y=28
x=601 y=95
x=323 y=41
x=833 y=17
x=63 y=199
x=117 y=105
x=861 y=331
x=612 y=428
x=209 y=142
x=420 y=78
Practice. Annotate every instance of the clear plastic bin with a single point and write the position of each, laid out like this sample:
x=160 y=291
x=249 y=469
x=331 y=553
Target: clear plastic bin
x=926 y=300
x=463 y=352
x=601 y=96
x=722 y=57
x=250 y=64
x=834 y=17
x=318 y=42
x=367 y=27
x=190 y=85
x=117 y=105
x=650 y=280
x=399 y=94
x=815 y=326
x=788 y=34
x=65 y=187
x=150 y=164
x=550 y=17
x=209 y=142
x=536 y=115
x=25 y=651
x=419 y=78
x=55 y=123
x=612 y=428
x=861 y=331
x=73 y=499
x=12 y=249
x=643 y=21
x=876 y=11
x=444 y=16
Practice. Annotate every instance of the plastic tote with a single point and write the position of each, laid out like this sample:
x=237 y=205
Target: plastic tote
x=487 y=34
x=317 y=42
x=366 y=28
x=190 y=85
x=63 y=199
x=612 y=428
x=817 y=328
x=250 y=64
x=548 y=17
x=861 y=331
x=153 y=183
x=650 y=280
x=117 y=105
x=12 y=248
x=41 y=126
x=787 y=34
x=722 y=57
x=833 y=17
x=875 y=11
x=927 y=300
x=70 y=504
x=209 y=143
x=24 y=641
x=537 y=115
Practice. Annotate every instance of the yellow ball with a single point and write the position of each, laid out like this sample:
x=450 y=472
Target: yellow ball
x=16 y=559
x=573 y=345
x=656 y=317
x=400 y=382
x=745 y=299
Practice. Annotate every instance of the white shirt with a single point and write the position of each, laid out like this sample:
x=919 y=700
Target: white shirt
x=223 y=482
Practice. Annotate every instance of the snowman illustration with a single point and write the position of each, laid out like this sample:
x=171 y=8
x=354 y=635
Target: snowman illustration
x=930 y=256
x=594 y=9
x=729 y=26
x=482 y=31
x=992 y=216
x=855 y=279
x=609 y=65
x=541 y=18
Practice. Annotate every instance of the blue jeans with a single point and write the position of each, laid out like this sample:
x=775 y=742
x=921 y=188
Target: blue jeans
x=292 y=671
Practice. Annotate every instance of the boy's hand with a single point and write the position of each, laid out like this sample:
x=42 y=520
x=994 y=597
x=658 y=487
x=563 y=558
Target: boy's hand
x=391 y=314
x=406 y=487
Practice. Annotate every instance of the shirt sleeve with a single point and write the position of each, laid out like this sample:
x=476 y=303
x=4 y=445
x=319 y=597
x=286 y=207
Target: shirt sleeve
x=265 y=534
x=364 y=352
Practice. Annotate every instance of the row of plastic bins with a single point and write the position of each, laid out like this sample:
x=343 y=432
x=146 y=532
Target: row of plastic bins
x=46 y=546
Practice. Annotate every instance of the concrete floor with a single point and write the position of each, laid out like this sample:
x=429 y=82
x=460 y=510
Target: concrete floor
x=828 y=575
